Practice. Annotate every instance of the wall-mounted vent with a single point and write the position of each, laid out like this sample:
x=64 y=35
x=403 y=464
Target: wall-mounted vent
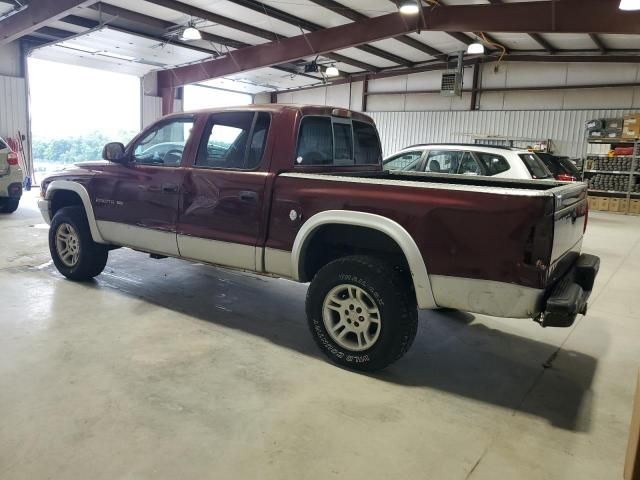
x=451 y=85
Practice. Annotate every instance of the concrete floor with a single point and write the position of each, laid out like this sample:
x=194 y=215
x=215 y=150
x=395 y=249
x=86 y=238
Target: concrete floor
x=166 y=369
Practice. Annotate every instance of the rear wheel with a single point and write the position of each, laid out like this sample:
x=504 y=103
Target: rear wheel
x=74 y=253
x=361 y=312
x=9 y=205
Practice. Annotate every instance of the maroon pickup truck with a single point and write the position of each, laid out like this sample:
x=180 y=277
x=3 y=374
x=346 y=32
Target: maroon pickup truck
x=299 y=192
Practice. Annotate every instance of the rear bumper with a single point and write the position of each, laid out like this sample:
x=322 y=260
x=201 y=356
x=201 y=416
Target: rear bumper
x=568 y=298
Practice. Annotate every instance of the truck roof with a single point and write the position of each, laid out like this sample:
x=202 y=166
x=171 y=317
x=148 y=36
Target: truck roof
x=280 y=107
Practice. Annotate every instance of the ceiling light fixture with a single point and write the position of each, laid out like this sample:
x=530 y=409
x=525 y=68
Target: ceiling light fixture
x=629 y=5
x=408 y=7
x=475 y=49
x=332 y=71
x=191 y=33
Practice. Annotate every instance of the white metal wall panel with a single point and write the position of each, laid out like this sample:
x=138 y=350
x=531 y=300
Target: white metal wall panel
x=565 y=127
x=13 y=106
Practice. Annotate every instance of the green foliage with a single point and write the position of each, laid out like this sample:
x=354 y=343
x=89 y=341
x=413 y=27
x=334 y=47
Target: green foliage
x=74 y=149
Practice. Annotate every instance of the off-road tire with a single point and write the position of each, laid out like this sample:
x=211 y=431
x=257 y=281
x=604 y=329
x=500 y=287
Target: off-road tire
x=393 y=296
x=92 y=256
x=9 y=205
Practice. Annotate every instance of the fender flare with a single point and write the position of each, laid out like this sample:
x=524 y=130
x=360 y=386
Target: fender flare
x=392 y=229
x=86 y=202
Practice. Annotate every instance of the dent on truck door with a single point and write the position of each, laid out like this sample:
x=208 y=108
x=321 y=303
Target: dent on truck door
x=223 y=197
x=136 y=204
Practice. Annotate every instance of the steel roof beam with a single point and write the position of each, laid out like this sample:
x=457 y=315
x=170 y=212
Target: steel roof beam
x=566 y=16
x=599 y=43
x=357 y=16
x=38 y=14
x=243 y=27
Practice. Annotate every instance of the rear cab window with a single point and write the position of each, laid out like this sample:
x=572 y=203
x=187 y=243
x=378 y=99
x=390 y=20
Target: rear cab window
x=536 y=167
x=332 y=141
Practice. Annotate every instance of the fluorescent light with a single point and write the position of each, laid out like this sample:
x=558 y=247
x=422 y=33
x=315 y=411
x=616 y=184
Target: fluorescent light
x=332 y=71
x=629 y=4
x=475 y=49
x=408 y=7
x=191 y=33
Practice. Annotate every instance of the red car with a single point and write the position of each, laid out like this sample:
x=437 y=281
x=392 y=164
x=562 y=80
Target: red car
x=299 y=192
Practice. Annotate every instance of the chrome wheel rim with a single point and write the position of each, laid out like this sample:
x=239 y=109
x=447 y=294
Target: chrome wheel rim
x=67 y=245
x=351 y=317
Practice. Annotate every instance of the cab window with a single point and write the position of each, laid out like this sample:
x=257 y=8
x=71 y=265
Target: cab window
x=233 y=140
x=163 y=146
x=336 y=141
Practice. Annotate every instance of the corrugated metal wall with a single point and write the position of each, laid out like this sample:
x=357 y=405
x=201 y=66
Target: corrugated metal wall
x=152 y=109
x=13 y=106
x=565 y=127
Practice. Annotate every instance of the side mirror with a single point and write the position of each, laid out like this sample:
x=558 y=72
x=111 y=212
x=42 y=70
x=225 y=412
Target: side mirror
x=114 y=152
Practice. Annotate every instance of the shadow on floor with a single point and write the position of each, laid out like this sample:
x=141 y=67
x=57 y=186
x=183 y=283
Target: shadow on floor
x=451 y=352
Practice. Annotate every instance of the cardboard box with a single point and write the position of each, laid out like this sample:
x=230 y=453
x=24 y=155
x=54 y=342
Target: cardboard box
x=614 y=124
x=597 y=134
x=632 y=463
x=603 y=204
x=631 y=129
x=634 y=207
x=614 y=205
x=624 y=205
x=593 y=203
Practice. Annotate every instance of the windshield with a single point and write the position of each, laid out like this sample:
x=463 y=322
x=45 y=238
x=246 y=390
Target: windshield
x=536 y=167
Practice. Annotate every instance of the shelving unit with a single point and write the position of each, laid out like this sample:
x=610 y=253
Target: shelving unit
x=629 y=189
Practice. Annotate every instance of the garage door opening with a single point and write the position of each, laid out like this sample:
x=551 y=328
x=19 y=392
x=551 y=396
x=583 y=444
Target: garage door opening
x=76 y=110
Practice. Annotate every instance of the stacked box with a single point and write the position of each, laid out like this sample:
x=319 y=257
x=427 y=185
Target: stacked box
x=624 y=205
x=631 y=129
x=634 y=207
x=613 y=127
x=603 y=204
x=614 y=204
x=593 y=203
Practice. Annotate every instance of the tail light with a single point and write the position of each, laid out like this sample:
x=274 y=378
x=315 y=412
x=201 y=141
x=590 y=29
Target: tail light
x=566 y=178
x=12 y=158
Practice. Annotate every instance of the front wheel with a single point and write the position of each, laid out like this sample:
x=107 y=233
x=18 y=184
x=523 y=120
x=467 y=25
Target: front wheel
x=362 y=313
x=74 y=253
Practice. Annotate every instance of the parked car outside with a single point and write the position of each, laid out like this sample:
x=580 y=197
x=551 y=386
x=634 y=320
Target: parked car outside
x=11 y=178
x=299 y=192
x=562 y=168
x=464 y=159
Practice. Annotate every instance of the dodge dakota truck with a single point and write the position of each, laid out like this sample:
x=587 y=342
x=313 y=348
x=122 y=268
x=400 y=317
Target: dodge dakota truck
x=299 y=192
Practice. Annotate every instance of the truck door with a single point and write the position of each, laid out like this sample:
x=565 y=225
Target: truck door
x=223 y=193
x=136 y=203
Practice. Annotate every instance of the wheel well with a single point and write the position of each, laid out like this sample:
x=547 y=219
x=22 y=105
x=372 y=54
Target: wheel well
x=64 y=198
x=333 y=241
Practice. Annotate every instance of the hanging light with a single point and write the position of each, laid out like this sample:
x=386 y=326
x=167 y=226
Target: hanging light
x=408 y=7
x=332 y=71
x=629 y=4
x=191 y=33
x=475 y=49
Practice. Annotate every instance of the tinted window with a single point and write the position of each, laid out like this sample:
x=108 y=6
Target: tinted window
x=367 y=145
x=163 y=146
x=315 y=141
x=258 y=140
x=494 y=164
x=443 y=161
x=224 y=143
x=408 y=161
x=343 y=154
x=535 y=166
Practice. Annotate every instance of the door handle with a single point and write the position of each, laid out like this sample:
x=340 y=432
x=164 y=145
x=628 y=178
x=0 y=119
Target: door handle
x=169 y=188
x=248 y=196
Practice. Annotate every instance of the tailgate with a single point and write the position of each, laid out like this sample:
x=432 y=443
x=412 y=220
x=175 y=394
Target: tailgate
x=570 y=216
